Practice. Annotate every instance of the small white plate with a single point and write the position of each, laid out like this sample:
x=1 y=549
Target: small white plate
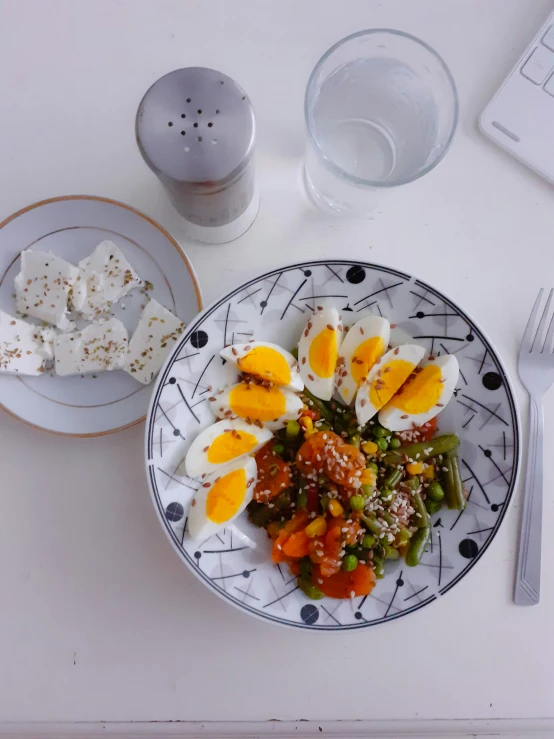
x=71 y=227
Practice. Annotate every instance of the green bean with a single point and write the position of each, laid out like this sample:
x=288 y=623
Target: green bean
x=394 y=443
x=435 y=491
x=294 y=352
x=372 y=524
x=302 y=499
x=391 y=552
x=452 y=483
x=349 y=563
x=421 y=520
x=293 y=429
x=309 y=589
x=378 y=567
x=306 y=568
x=379 y=432
x=388 y=518
x=323 y=426
x=367 y=490
x=392 y=480
x=355 y=440
x=260 y=515
x=382 y=444
x=412 y=483
x=324 y=411
x=324 y=503
x=425 y=449
x=357 y=502
x=368 y=541
x=404 y=536
x=433 y=506
x=417 y=546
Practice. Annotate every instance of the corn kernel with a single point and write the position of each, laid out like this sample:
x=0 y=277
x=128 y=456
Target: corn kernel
x=414 y=468
x=429 y=472
x=306 y=423
x=309 y=432
x=316 y=528
x=369 y=447
x=335 y=508
x=368 y=477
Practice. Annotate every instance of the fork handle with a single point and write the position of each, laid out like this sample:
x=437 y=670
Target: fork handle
x=528 y=581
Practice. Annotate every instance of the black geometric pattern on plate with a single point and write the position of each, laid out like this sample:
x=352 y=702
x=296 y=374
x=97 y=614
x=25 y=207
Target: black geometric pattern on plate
x=235 y=563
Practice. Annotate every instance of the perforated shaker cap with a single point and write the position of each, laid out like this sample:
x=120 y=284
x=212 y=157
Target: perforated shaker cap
x=196 y=125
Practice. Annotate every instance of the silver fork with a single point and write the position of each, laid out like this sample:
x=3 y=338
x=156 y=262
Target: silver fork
x=536 y=371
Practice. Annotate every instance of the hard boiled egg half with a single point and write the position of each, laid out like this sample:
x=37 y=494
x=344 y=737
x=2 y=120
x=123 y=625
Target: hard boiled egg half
x=363 y=345
x=272 y=406
x=265 y=362
x=221 y=443
x=385 y=378
x=221 y=498
x=318 y=351
x=423 y=396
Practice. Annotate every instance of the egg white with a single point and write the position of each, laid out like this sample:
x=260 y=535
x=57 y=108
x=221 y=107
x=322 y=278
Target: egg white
x=238 y=352
x=222 y=405
x=323 y=320
x=397 y=419
x=196 y=460
x=199 y=525
x=366 y=329
x=365 y=409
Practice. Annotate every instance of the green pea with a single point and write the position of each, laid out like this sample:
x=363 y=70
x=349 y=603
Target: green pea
x=373 y=466
x=278 y=448
x=395 y=443
x=382 y=444
x=357 y=502
x=302 y=499
x=433 y=506
x=435 y=491
x=350 y=562
x=368 y=541
x=293 y=429
x=355 y=440
x=378 y=567
x=379 y=432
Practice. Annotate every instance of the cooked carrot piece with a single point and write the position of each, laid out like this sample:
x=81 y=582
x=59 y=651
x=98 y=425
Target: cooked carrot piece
x=273 y=474
x=346 y=584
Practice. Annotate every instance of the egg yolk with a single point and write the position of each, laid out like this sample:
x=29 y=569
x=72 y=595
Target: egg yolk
x=257 y=402
x=393 y=375
x=226 y=496
x=421 y=393
x=365 y=356
x=267 y=364
x=230 y=445
x=323 y=353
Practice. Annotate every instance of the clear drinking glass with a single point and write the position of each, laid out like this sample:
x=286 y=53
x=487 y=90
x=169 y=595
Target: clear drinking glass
x=381 y=110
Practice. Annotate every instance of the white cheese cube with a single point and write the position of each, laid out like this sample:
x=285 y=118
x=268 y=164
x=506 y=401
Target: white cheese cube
x=157 y=331
x=46 y=341
x=19 y=349
x=104 y=278
x=97 y=348
x=42 y=287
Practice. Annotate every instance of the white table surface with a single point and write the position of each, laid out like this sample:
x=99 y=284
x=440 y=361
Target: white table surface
x=99 y=619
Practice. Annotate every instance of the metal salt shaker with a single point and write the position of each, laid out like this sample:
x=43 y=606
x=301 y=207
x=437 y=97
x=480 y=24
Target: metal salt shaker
x=195 y=129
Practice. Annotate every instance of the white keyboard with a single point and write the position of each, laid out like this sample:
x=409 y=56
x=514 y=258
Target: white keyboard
x=520 y=117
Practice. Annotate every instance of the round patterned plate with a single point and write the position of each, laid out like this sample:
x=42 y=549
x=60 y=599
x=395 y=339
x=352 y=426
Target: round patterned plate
x=235 y=563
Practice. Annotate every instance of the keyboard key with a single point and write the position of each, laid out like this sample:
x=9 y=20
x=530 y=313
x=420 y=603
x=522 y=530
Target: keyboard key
x=548 y=38
x=549 y=87
x=539 y=65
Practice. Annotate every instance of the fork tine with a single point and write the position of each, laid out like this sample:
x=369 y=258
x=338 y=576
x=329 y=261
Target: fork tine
x=527 y=341
x=539 y=335
x=549 y=335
